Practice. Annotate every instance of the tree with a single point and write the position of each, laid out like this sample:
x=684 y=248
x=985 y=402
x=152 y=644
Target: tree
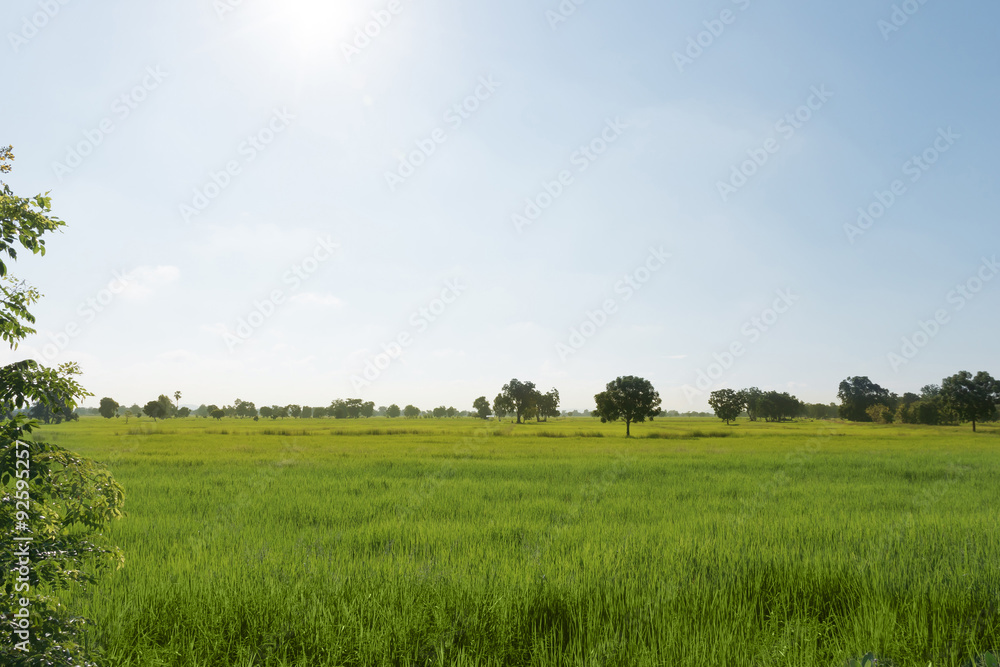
x=775 y=407
x=128 y=413
x=177 y=399
x=202 y=411
x=521 y=396
x=411 y=411
x=367 y=409
x=217 y=414
x=307 y=412
x=71 y=498
x=971 y=398
x=109 y=408
x=440 y=411
x=547 y=404
x=857 y=394
x=727 y=403
x=168 y=406
x=320 y=412
x=155 y=410
x=184 y=412
x=267 y=411
x=482 y=407
x=244 y=409
x=751 y=401
x=628 y=398
x=295 y=411
x=502 y=406
x=392 y=411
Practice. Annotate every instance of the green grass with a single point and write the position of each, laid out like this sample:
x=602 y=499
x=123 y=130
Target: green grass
x=446 y=542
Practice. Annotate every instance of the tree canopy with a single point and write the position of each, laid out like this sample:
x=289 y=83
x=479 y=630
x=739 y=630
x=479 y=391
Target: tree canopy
x=629 y=398
x=973 y=399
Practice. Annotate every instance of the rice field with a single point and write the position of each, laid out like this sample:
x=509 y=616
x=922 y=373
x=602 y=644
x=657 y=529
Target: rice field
x=459 y=542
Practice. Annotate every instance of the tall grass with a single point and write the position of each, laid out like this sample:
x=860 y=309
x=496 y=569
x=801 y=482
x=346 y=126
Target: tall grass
x=459 y=543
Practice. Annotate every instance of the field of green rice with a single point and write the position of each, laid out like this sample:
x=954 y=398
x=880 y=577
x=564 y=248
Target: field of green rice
x=459 y=542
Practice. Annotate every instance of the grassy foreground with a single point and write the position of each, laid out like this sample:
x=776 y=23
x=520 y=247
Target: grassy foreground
x=447 y=542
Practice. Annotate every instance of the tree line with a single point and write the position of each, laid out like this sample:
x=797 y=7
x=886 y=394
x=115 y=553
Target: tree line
x=960 y=398
x=351 y=408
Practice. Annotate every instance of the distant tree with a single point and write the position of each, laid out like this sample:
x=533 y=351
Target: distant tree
x=857 y=394
x=521 y=396
x=392 y=411
x=338 y=409
x=184 y=412
x=202 y=411
x=355 y=407
x=109 y=408
x=367 y=409
x=727 y=403
x=451 y=412
x=128 y=414
x=629 y=398
x=294 y=411
x=177 y=399
x=440 y=411
x=307 y=412
x=217 y=414
x=267 y=412
x=321 y=412
x=136 y=410
x=154 y=409
x=482 y=407
x=168 y=406
x=411 y=411
x=211 y=409
x=775 y=407
x=751 y=398
x=547 y=404
x=971 y=398
x=502 y=406
x=244 y=409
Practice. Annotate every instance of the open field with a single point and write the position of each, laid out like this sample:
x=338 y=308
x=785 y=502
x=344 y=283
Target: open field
x=451 y=542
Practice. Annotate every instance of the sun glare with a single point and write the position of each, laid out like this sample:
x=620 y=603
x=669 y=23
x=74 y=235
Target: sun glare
x=312 y=27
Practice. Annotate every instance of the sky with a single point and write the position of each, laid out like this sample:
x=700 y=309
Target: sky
x=414 y=201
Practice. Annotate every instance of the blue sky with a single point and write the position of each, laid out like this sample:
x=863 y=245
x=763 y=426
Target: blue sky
x=264 y=202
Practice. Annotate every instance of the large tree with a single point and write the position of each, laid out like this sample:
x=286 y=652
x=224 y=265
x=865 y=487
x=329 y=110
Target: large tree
x=857 y=394
x=972 y=398
x=392 y=411
x=411 y=411
x=727 y=403
x=629 y=398
x=522 y=396
x=59 y=500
